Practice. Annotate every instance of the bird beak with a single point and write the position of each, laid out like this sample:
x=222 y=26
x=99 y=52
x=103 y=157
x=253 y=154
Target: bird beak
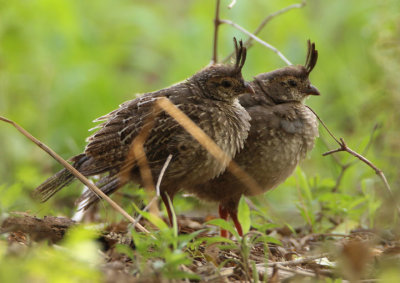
x=312 y=90
x=249 y=88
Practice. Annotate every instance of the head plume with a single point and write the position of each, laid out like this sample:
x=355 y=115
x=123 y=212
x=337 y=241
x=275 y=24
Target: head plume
x=312 y=57
x=240 y=52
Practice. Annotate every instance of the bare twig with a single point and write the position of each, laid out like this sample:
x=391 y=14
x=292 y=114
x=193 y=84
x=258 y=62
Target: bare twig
x=287 y=266
x=323 y=124
x=274 y=15
x=345 y=167
x=217 y=22
x=232 y=4
x=343 y=147
x=259 y=40
x=379 y=172
x=76 y=173
x=137 y=154
x=261 y=269
x=152 y=202
x=299 y=261
x=162 y=174
x=249 y=41
x=293 y=270
x=337 y=159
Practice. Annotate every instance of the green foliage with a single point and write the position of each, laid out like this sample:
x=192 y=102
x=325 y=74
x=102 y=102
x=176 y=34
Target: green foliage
x=164 y=249
x=73 y=261
x=226 y=225
x=64 y=63
x=244 y=215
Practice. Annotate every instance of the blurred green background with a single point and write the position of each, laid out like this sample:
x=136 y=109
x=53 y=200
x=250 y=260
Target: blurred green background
x=64 y=63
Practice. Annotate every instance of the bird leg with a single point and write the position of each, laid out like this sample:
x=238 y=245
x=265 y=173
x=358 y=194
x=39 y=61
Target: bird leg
x=223 y=214
x=167 y=206
x=235 y=219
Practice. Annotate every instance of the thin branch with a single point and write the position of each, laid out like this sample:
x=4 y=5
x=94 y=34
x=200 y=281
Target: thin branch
x=274 y=15
x=343 y=147
x=259 y=40
x=232 y=4
x=323 y=124
x=137 y=154
x=162 y=174
x=284 y=265
x=249 y=41
x=345 y=167
x=217 y=22
x=76 y=173
x=299 y=260
x=337 y=159
x=379 y=172
x=292 y=270
x=269 y=270
x=332 y=151
x=150 y=204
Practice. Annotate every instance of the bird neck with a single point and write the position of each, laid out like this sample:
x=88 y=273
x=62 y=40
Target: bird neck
x=259 y=98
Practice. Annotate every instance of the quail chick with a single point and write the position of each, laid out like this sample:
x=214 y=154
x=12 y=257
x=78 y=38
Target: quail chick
x=282 y=131
x=209 y=98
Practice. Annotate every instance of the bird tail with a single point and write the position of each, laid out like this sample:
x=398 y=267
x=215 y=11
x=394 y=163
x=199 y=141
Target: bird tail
x=55 y=183
x=107 y=185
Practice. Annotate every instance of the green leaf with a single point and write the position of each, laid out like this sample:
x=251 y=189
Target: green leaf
x=174 y=220
x=224 y=225
x=304 y=184
x=154 y=219
x=255 y=273
x=244 y=215
x=184 y=239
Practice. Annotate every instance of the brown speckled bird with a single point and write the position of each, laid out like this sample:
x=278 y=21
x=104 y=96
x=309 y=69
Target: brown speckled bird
x=209 y=98
x=282 y=131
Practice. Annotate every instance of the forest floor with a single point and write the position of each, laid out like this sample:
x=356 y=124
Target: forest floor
x=301 y=256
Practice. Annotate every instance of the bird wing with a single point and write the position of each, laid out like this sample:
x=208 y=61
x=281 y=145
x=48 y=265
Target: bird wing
x=109 y=146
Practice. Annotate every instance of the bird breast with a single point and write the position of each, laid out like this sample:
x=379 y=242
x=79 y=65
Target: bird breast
x=279 y=139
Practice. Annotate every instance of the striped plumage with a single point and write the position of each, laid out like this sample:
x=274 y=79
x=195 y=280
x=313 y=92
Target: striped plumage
x=209 y=98
x=282 y=131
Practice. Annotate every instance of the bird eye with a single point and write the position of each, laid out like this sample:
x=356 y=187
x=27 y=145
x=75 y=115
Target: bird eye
x=226 y=83
x=292 y=83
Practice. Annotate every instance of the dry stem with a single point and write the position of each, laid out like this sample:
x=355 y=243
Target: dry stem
x=76 y=173
x=259 y=40
x=300 y=260
x=345 y=167
x=208 y=143
x=249 y=41
x=217 y=22
x=232 y=4
x=162 y=174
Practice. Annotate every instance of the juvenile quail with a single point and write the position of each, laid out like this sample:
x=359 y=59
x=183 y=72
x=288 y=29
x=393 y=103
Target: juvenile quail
x=209 y=98
x=282 y=131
